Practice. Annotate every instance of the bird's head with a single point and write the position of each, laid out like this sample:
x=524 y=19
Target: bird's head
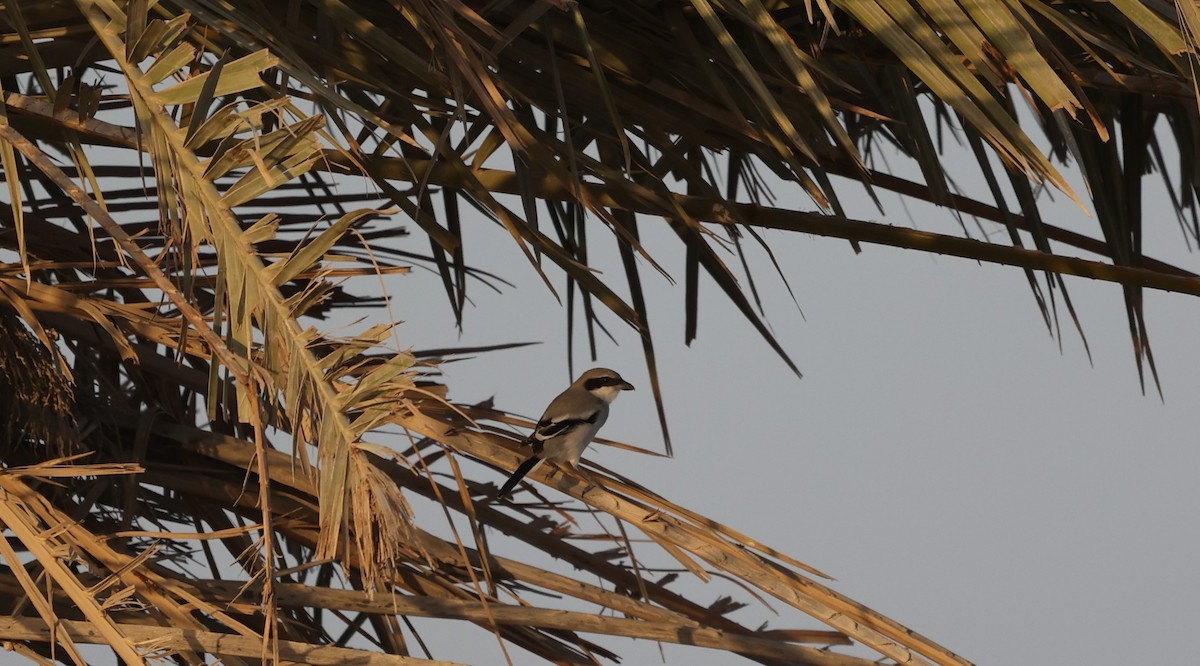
x=603 y=383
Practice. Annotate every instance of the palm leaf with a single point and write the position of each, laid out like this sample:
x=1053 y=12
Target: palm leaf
x=193 y=184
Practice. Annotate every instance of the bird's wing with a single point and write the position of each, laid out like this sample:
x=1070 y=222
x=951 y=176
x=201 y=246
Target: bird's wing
x=548 y=429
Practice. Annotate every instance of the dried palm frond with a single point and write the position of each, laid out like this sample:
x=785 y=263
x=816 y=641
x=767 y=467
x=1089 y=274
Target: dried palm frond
x=36 y=398
x=194 y=186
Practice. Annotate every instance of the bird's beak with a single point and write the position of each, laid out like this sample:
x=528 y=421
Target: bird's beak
x=625 y=386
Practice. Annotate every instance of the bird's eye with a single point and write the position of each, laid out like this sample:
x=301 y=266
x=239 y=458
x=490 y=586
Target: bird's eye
x=601 y=382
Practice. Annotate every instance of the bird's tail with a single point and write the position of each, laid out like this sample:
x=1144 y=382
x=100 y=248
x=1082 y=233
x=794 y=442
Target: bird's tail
x=519 y=474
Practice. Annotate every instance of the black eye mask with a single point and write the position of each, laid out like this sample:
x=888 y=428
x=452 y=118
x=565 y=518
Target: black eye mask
x=600 y=382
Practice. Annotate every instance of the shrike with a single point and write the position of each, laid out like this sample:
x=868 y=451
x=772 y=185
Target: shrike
x=570 y=422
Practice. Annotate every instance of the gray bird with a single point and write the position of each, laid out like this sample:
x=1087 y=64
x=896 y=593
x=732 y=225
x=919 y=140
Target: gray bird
x=570 y=422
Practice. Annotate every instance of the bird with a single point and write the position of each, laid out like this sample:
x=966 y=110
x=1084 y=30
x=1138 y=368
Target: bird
x=570 y=422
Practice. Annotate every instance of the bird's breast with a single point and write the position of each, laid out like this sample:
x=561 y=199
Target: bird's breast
x=569 y=447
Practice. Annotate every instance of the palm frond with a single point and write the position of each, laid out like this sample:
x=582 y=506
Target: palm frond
x=194 y=184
